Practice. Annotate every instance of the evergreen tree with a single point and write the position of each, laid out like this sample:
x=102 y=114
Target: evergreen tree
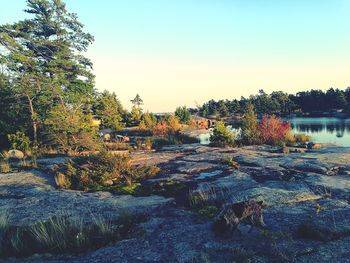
x=137 y=101
x=249 y=131
x=183 y=114
x=44 y=57
x=109 y=110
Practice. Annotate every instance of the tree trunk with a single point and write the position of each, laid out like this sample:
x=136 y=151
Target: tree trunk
x=33 y=119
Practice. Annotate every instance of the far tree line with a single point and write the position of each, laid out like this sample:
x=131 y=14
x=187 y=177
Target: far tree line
x=281 y=103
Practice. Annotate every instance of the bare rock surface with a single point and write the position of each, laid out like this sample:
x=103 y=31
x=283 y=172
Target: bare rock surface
x=306 y=190
x=29 y=197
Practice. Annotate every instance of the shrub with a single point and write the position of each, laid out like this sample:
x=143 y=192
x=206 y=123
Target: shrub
x=102 y=171
x=222 y=136
x=302 y=138
x=174 y=139
x=173 y=124
x=273 y=129
x=19 y=141
x=168 y=125
x=250 y=133
x=289 y=138
x=145 y=144
x=161 y=129
x=149 y=121
x=5 y=167
x=299 y=138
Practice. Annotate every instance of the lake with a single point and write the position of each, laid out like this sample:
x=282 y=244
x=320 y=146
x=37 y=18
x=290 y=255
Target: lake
x=322 y=130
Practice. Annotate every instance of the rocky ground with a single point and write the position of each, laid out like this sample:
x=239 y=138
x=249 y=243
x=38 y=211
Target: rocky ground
x=307 y=218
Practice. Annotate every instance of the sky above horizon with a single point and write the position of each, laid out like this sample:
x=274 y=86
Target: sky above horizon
x=186 y=52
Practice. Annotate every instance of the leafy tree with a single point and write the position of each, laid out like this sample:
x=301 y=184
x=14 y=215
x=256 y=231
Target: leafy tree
x=183 y=114
x=19 y=141
x=109 y=110
x=173 y=124
x=149 y=121
x=70 y=130
x=250 y=133
x=222 y=136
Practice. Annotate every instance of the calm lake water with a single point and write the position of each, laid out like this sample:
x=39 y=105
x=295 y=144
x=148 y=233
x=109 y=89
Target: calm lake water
x=322 y=130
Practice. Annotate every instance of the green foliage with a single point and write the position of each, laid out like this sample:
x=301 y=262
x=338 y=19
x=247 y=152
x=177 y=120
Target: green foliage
x=249 y=131
x=183 y=114
x=207 y=212
x=109 y=110
x=43 y=55
x=278 y=102
x=5 y=167
x=137 y=101
x=222 y=136
x=230 y=162
x=102 y=171
x=13 y=114
x=148 y=122
x=302 y=138
x=19 y=141
x=134 y=117
x=70 y=130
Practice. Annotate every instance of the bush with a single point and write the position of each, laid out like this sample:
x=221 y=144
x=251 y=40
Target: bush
x=222 y=136
x=174 y=139
x=5 y=167
x=299 y=138
x=19 y=141
x=167 y=126
x=273 y=130
x=250 y=133
x=102 y=171
x=302 y=138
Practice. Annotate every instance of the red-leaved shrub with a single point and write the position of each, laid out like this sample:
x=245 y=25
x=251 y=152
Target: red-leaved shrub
x=273 y=129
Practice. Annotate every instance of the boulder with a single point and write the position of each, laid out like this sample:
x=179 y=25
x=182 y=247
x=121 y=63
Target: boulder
x=312 y=145
x=15 y=154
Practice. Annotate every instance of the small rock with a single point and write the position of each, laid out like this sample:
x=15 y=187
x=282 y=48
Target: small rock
x=108 y=182
x=16 y=154
x=312 y=145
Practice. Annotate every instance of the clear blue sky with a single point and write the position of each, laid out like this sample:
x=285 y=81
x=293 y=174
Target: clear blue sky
x=179 y=52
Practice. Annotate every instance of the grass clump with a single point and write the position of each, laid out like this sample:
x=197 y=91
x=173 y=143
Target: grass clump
x=207 y=212
x=203 y=201
x=62 y=234
x=5 y=167
x=230 y=162
x=102 y=171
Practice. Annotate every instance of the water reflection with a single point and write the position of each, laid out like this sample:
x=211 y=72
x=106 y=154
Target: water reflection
x=323 y=130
